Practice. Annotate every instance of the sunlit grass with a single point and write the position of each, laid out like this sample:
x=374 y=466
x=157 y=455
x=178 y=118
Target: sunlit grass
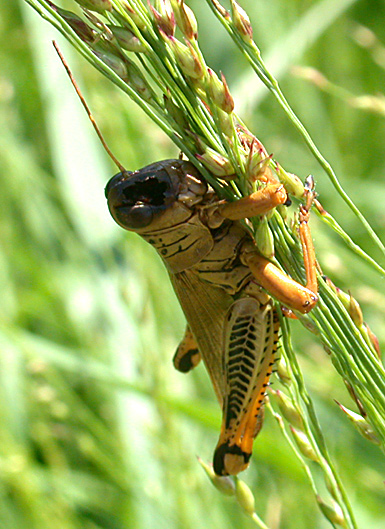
x=97 y=429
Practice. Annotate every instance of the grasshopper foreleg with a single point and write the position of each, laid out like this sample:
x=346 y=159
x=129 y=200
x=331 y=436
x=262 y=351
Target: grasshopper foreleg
x=258 y=203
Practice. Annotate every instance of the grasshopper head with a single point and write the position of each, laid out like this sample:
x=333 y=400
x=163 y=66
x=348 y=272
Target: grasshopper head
x=136 y=199
x=142 y=198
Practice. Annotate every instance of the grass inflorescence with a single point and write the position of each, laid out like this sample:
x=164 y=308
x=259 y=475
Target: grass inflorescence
x=152 y=53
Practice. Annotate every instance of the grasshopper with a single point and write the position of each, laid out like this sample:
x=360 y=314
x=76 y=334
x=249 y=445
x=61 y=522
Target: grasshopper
x=223 y=284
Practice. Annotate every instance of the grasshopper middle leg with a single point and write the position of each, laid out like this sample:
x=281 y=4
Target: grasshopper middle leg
x=187 y=355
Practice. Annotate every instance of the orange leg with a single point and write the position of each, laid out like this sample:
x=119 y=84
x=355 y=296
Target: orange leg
x=289 y=292
x=251 y=338
x=258 y=203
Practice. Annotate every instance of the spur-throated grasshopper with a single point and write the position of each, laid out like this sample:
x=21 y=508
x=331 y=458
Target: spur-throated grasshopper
x=222 y=282
x=223 y=285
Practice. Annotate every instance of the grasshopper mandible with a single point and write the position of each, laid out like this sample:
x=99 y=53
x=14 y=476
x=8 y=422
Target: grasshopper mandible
x=223 y=284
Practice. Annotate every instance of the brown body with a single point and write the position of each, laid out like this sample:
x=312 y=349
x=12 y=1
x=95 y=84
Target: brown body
x=221 y=281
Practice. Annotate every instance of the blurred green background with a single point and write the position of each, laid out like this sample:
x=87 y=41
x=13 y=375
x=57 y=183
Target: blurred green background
x=97 y=430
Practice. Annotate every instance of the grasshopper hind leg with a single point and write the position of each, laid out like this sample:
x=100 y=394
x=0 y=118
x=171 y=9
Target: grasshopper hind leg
x=187 y=355
x=251 y=337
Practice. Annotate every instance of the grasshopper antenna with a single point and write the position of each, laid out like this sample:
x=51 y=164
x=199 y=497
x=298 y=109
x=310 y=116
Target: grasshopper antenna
x=87 y=109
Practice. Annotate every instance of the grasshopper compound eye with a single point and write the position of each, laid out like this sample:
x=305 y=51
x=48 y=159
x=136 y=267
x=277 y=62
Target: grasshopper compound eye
x=134 y=199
